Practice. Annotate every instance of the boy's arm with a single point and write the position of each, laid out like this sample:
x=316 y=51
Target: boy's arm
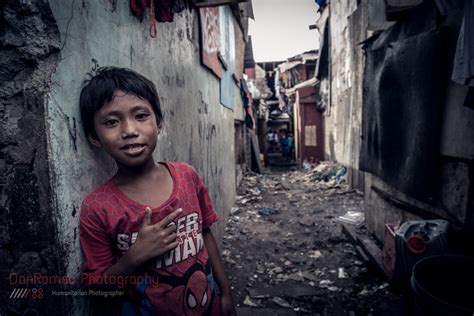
x=227 y=302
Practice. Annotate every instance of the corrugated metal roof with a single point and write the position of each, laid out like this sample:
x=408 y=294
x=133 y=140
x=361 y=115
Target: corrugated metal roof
x=302 y=58
x=289 y=65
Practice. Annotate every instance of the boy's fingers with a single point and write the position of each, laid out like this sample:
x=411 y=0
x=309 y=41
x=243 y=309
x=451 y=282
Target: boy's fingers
x=169 y=218
x=147 y=218
x=171 y=238
x=172 y=245
x=170 y=229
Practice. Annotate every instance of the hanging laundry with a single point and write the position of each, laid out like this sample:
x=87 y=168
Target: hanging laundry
x=163 y=11
x=321 y=3
x=138 y=7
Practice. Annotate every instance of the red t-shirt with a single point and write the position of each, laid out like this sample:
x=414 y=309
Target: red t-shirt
x=178 y=282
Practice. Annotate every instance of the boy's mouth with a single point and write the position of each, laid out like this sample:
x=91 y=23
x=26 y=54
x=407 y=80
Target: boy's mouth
x=132 y=148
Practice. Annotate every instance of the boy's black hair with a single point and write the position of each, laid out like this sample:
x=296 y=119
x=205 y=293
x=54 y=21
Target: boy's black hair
x=100 y=90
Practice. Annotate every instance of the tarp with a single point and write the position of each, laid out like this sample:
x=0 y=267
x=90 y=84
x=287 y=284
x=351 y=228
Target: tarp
x=402 y=100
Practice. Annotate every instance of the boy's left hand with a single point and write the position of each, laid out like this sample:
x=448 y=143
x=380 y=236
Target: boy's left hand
x=227 y=305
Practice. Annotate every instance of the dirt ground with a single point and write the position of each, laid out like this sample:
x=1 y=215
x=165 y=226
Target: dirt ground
x=286 y=254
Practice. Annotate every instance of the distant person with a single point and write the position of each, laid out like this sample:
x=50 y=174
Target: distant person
x=290 y=145
x=151 y=219
x=272 y=140
x=284 y=143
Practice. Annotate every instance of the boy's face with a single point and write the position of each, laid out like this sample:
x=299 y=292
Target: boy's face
x=126 y=129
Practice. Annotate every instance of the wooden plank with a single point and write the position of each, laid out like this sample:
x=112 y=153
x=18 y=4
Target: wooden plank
x=428 y=212
x=368 y=247
x=362 y=253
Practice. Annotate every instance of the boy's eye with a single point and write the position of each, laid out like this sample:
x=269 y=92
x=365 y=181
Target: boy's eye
x=110 y=122
x=142 y=116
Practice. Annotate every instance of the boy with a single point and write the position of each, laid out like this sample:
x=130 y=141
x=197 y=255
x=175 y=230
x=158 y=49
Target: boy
x=150 y=218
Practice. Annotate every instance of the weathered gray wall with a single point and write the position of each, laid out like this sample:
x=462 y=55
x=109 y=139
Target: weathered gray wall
x=337 y=119
x=343 y=119
x=29 y=54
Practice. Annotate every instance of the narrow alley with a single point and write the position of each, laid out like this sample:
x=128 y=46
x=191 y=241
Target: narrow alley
x=287 y=255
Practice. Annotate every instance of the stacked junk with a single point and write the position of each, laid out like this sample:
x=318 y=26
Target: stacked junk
x=417 y=260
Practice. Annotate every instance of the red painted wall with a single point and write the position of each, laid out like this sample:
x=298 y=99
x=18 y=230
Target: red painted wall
x=309 y=116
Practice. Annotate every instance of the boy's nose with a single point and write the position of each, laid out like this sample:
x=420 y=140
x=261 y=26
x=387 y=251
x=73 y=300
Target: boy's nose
x=128 y=129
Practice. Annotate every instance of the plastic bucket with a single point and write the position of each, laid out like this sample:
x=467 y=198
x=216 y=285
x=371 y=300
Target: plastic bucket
x=444 y=285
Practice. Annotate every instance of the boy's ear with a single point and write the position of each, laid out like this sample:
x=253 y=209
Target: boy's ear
x=94 y=141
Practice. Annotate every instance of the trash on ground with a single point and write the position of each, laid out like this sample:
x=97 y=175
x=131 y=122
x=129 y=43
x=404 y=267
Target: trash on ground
x=341 y=273
x=266 y=211
x=325 y=283
x=234 y=210
x=352 y=217
x=250 y=303
x=253 y=293
x=283 y=241
x=314 y=254
x=281 y=302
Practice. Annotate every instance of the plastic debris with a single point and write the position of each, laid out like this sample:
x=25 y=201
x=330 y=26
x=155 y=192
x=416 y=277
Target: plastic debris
x=266 y=211
x=340 y=174
x=352 y=217
x=363 y=292
x=281 y=302
x=234 y=210
x=249 y=302
x=341 y=273
x=298 y=276
x=255 y=191
x=314 y=254
x=325 y=283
